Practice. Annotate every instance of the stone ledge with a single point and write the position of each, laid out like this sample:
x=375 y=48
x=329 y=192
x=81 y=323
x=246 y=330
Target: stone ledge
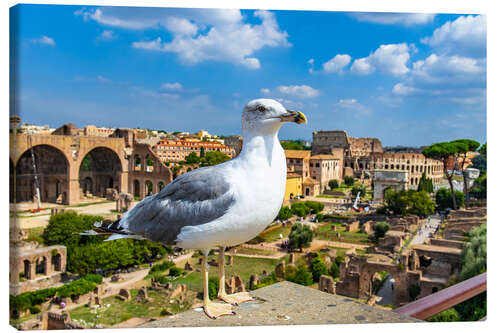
x=287 y=303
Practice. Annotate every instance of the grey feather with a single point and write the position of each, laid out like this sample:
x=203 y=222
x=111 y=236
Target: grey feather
x=194 y=198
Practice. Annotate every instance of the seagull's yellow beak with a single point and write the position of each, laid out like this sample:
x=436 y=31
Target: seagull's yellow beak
x=295 y=116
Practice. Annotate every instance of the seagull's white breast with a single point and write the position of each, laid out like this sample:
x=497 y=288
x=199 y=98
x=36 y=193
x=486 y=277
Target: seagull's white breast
x=257 y=178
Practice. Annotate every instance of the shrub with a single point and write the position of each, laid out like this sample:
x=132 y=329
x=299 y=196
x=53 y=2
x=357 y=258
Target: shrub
x=267 y=280
x=334 y=270
x=333 y=184
x=349 y=180
x=314 y=206
x=339 y=259
x=444 y=199
x=302 y=276
x=358 y=188
x=445 y=316
x=161 y=267
x=175 y=271
x=34 y=310
x=413 y=292
x=318 y=268
x=164 y=312
x=380 y=229
x=213 y=287
x=300 y=236
x=285 y=213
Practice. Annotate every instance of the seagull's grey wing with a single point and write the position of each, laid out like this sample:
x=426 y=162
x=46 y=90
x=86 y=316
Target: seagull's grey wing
x=194 y=198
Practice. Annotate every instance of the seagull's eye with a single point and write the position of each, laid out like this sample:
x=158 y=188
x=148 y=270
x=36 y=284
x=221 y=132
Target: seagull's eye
x=261 y=108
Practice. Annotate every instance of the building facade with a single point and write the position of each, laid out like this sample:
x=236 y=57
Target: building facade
x=178 y=150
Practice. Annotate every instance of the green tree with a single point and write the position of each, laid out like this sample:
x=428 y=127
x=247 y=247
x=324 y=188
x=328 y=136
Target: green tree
x=334 y=270
x=318 y=268
x=213 y=158
x=349 y=180
x=358 y=188
x=314 y=206
x=300 y=236
x=380 y=229
x=302 y=276
x=479 y=162
x=192 y=158
x=285 y=213
x=299 y=209
x=294 y=145
x=443 y=151
x=409 y=202
x=425 y=184
x=479 y=189
x=333 y=183
x=202 y=152
x=465 y=146
x=482 y=150
x=444 y=199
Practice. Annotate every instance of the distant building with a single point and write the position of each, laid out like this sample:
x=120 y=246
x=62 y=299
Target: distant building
x=91 y=130
x=325 y=168
x=293 y=185
x=234 y=142
x=178 y=150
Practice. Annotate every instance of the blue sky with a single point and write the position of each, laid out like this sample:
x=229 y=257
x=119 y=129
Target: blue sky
x=409 y=79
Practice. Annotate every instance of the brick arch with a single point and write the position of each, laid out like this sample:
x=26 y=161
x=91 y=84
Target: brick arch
x=53 y=175
x=123 y=162
x=105 y=171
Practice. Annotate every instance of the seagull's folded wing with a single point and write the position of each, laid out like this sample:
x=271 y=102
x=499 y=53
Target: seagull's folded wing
x=194 y=198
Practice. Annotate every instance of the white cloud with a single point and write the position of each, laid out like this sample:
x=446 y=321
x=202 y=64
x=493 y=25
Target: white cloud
x=197 y=35
x=302 y=91
x=351 y=105
x=337 y=63
x=171 y=86
x=44 y=40
x=107 y=35
x=265 y=91
x=389 y=59
x=406 y=19
x=457 y=79
x=290 y=104
x=464 y=36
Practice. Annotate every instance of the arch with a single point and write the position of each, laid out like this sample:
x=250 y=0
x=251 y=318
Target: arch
x=52 y=169
x=104 y=167
x=41 y=266
x=11 y=180
x=148 y=188
x=137 y=188
x=27 y=269
x=56 y=262
x=161 y=186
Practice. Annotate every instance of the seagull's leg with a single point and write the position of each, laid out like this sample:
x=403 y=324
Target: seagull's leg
x=212 y=310
x=233 y=299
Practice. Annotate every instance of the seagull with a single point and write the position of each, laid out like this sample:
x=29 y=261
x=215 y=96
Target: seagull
x=219 y=206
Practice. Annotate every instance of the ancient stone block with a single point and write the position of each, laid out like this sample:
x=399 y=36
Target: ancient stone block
x=142 y=296
x=235 y=285
x=188 y=266
x=111 y=194
x=229 y=260
x=254 y=281
x=326 y=284
x=180 y=290
x=124 y=295
x=115 y=278
x=292 y=257
x=280 y=270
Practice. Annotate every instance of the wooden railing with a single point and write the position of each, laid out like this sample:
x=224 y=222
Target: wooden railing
x=444 y=299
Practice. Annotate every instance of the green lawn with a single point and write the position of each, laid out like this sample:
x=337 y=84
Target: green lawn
x=242 y=266
x=251 y=251
x=35 y=234
x=274 y=234
x=325 y=232
x=119 y=310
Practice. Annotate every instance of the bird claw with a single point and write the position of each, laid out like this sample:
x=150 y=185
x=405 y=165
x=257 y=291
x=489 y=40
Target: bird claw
x=236 y=299
x=215 y=310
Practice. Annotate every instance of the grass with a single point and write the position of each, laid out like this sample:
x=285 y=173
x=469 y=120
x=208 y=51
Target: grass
x=119 y=310
x=325 y=232
x=242 y=266
x=274 y=234
x=330 y=196
x=35 y=234
x=251 y=251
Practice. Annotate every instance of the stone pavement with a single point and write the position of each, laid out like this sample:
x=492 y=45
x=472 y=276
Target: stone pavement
x=426 y=230
x=287 y=303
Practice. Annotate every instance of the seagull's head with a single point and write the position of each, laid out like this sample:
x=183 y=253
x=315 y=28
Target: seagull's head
x=266 y=116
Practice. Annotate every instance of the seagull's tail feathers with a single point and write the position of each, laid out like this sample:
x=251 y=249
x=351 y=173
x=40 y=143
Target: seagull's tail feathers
x=113 y=229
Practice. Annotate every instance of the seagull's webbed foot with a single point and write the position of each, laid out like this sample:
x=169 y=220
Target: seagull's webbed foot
x=214 y=310
x=236 y=299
